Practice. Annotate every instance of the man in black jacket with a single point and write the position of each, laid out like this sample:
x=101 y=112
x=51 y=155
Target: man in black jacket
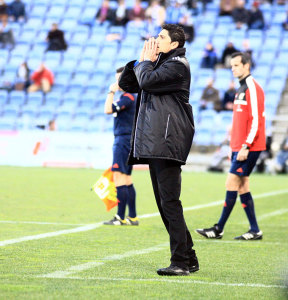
x=163 y=133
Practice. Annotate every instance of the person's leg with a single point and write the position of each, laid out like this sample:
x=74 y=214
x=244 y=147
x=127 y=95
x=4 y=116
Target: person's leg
x=248 y=204
x=154 y=181
x=169 y=186
x=122 y=193
x=131 y=197
x=233 y=183
x=45 y=85
x=33 y=88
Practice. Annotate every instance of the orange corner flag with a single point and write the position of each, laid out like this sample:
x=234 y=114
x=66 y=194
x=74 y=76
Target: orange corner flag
x=106 y=190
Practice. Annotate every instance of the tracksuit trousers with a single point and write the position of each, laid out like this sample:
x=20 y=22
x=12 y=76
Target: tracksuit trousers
x=166 y=180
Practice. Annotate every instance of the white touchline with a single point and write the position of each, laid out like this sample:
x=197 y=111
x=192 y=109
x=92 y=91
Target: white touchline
x=269 y=215
x=96 y=225
x=102 y=261
x=184 y=281
x=41 y=223
x=273 y=214
x=50 y=234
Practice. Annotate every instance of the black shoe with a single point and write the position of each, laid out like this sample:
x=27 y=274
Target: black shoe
x=250 y=235
x=193 y=264
x=173 y=271
x=211 y=233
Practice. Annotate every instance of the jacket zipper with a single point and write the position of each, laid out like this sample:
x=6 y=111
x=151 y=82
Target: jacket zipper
x=167 y=124
x=137 y=125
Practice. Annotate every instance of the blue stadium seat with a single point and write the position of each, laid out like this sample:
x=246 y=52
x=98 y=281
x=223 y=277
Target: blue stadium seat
x=4 y=96
x=7 y=123
x=11 y=111
x=35 y=99
x=39 y=9
x=56 y=11
x=203 y=137
x=53 y=98
x=27 y=36
x=68 y=25
x=87 y=65
x=73 y=12
x=17 y=97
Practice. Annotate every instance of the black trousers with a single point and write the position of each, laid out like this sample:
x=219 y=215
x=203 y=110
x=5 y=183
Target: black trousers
x=166 y=181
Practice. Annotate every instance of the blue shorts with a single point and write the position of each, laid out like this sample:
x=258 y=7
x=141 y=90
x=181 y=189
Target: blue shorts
x=245 y=167
x=121 y=149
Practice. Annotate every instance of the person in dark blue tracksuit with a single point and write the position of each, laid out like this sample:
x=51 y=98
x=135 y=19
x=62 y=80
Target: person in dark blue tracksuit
x=123 y=110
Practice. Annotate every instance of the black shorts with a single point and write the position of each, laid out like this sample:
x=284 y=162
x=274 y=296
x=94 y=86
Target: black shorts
x=121 y=149
x=245 y=167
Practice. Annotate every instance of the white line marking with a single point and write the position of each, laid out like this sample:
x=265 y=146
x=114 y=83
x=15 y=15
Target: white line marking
x=41 y=223
x=101 y=261
x=96 y=225
x=184 y=281
x=50 y=234
x=273 y=214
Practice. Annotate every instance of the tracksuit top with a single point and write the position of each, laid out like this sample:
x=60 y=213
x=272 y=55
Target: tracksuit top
x=248 y=125
x=124 y=111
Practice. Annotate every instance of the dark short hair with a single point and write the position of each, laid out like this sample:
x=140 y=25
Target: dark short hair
x=245 y=57
x=176 y=33
x=119 y=70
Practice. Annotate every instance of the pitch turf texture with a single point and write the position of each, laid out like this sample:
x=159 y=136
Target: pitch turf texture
x=43 y=256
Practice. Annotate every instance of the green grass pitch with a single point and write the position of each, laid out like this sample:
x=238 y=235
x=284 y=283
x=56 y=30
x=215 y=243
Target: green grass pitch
x=53 y=246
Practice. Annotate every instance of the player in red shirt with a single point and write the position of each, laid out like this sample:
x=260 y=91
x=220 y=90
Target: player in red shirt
x=247 y=142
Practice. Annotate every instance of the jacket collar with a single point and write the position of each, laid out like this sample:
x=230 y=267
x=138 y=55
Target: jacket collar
x=242 y=81
x=173 y=53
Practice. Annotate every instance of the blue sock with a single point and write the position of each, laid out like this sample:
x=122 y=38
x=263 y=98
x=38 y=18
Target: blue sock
x=248 y=205
x=229 y=203
x=122 y=195
x=131 y=200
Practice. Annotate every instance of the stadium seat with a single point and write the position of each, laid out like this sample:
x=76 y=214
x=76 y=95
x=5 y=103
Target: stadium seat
x=17 y=97
x=35 y=99
x=4 y=96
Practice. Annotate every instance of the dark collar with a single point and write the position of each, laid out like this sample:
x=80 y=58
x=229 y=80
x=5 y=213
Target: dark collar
x=244 y=79
x=172 y=53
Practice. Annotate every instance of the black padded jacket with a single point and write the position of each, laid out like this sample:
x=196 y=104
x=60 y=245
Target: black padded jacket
x=163 y=124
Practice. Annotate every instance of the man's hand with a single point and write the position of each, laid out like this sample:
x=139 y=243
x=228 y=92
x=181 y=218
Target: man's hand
x=143 y=51
x=150 y=52
x=242 y=154
x=114 y=87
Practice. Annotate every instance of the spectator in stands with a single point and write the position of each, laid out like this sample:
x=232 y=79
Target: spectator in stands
x=137 y=13
x=264 y=155
x=240 y=14
x=42 y=79
x=226 y=54
x=150 y=29
x=221 y=154
x=177 y=13
x=6 y=35
x=209 y=57
x=52 y=125
x=23 y=77
x=121 y=14
x=226 y=7
x=105 y=13
x=255 y=18
x=55 y=39
x=157 y=12
x=229 y=96
x=3 y=10
x=282 y=156
x=210 y=95
x=285 y=23
x=17 y=11
x=246 y=49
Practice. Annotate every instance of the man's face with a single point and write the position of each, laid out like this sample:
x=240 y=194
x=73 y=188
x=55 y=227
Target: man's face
x=238 y=69
x=164 y=42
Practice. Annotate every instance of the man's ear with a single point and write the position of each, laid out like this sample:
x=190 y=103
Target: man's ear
x=174 y=45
